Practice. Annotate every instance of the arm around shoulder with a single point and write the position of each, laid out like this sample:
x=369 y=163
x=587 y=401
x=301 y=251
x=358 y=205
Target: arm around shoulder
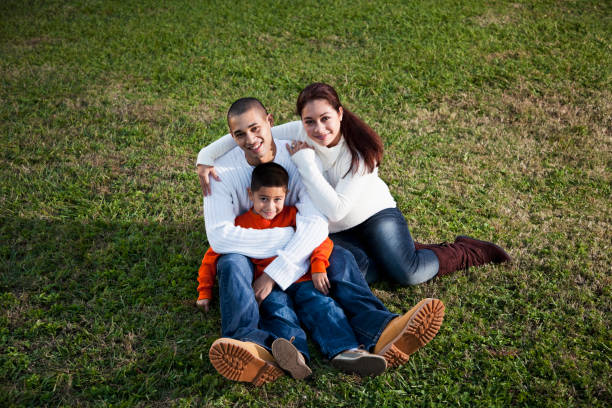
x=289 y=131
x=210 y=153
x=225 y=237
x=216 y=149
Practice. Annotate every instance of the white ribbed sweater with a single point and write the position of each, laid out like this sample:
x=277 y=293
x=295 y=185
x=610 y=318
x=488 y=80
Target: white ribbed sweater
x=346 y=200
x=229 y=199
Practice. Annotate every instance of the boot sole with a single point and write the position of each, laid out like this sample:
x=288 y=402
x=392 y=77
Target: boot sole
x=366 y=365
x=420 y=329
x=290 y=359
x=238 y=364
x=505 y=256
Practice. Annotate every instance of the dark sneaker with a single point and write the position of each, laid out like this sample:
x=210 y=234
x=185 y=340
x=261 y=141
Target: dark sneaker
x=290 y=359
x=359 y=362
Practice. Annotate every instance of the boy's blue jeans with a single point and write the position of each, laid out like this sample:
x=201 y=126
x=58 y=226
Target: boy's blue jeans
x=242 y=319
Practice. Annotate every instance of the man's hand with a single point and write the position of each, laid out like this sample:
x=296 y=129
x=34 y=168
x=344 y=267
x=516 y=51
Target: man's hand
x=321 y=283
x=203 y=304
x=204 y=173
x=262 y=287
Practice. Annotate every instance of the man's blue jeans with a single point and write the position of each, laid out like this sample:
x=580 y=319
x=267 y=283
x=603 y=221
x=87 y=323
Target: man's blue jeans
x=384 y=249
x=241 y=319
x=323 y=319
x=367 y=315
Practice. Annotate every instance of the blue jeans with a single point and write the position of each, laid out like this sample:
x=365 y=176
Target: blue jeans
x=367 y=316
x=242 y=319
x=323 y=319
x=384 y=249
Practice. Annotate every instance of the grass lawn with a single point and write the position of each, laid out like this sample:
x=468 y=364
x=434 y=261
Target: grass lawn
x=496 y=118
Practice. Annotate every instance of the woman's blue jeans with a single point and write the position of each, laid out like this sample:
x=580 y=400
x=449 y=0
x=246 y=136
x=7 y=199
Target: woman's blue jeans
x=242 y=319
x=384 y=249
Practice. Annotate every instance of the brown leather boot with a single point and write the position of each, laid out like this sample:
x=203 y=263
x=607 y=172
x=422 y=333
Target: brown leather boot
x=465 y=252
x=418 y=245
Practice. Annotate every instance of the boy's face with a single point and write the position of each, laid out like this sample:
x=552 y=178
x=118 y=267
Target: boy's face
x=268 y=201
x=252 y=132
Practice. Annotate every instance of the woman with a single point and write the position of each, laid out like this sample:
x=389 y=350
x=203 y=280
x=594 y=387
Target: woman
x=362 y=213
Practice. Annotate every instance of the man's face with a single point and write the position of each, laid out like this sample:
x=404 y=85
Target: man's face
x=268 y=201
x=252 y=132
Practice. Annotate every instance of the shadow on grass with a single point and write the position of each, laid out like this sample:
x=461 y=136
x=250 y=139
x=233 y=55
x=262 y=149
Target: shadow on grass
x=102 y=312
x=98 y=310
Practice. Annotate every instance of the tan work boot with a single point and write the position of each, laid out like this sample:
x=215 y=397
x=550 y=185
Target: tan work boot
x=405 y=334
x=290 y=359
x=243 y=361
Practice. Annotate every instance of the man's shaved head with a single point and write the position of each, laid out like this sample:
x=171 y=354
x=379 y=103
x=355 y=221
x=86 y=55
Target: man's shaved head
x=243 y=105
x=250 y=125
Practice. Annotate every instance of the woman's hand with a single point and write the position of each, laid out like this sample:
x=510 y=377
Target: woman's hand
x=295 y=147
x=204 y=173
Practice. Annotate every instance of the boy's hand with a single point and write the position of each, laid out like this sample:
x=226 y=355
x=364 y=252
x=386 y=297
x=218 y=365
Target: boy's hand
x=203 y=174
x=321 y=282
x=262 y=287
x=203 y=304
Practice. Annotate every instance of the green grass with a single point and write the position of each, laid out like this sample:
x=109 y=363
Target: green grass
x=496 y=118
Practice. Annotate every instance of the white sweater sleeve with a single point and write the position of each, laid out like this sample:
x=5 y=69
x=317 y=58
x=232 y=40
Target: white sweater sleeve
x=311 y=230
x=224 y=237
x=335 y=203
x=224 y=144
x=216 y=149
x=289 y=131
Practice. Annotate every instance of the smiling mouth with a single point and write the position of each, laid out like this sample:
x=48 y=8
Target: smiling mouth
x=256 y=148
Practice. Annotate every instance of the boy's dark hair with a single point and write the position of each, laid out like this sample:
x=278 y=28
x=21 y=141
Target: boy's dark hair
x=245 y=104
x=269 y=175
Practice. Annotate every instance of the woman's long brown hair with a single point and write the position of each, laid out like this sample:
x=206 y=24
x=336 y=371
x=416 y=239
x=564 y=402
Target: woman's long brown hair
x=363 y=142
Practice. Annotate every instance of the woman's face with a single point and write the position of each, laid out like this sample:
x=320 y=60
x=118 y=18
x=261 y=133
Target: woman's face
x=322 y=122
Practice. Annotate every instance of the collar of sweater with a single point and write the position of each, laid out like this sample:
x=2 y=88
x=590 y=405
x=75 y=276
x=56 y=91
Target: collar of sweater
x=329 y=155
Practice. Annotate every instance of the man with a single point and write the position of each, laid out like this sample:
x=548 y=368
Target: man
x=248 y=330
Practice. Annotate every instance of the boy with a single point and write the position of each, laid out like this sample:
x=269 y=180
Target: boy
x=320 y=314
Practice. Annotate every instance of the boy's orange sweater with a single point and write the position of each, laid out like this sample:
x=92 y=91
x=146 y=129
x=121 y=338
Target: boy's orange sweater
x=319 y=260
